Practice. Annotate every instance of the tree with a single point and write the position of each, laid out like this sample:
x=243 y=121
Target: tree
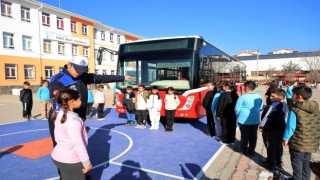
x=291 y=67
x=312 y=64
x=218 y=67
x=270 y=70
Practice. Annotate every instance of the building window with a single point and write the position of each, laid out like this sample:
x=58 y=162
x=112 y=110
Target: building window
x=86 y=51
x=25 y=14
x=112 y=72
x=118 y=39
x=48 y=71
x=26 y=43
x=111 y=57
x=60 y=24
x=47 y=46
x=96 y=71
x=84 y=29
x=8 y=40
x=104 y=57
x=103 y=35
x=104 y=71
x=95 y=33
x=74 y=50
x=111 y=37
x=6 y=9
x=11 y=71
x=61 y=48
x=29 y=72
x=45 y=19
x=73 y=26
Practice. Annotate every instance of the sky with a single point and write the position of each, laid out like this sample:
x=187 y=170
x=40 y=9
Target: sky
x=231 y=25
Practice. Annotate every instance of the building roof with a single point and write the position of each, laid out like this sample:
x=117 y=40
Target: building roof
x=279 y=56
x=280 y=49
x=252 y=52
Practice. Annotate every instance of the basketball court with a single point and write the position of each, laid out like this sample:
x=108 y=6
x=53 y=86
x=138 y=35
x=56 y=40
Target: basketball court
x=116 y=151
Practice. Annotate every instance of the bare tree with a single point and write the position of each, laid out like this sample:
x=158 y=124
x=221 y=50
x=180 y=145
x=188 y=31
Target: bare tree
x=291 y=67
x=312 y=64
x=218 y=67
x=270 y=71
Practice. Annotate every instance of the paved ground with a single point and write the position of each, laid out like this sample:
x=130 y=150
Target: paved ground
x=228 y=165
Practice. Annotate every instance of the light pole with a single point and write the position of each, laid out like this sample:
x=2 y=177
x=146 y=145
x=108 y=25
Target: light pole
x=257 y=62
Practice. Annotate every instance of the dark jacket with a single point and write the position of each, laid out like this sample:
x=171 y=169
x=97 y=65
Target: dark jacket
x=64 y=80
x=208 y=98
x=276 y=119
x=307 y=133
x=128 y=103
x=26 y=96
x=226 y=103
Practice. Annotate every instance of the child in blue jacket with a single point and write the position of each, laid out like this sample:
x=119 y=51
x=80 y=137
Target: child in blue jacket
x=248 y=109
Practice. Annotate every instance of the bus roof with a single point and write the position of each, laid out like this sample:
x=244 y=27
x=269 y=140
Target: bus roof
x=182 y=37
x=164 y=38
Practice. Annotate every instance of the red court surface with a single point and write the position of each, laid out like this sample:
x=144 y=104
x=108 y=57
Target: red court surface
x=32 y=150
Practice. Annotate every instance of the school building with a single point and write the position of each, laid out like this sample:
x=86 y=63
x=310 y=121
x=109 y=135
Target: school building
x=37 y=40
x=269 y=66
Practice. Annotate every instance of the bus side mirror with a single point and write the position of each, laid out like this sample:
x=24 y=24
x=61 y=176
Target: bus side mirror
x=99 y=57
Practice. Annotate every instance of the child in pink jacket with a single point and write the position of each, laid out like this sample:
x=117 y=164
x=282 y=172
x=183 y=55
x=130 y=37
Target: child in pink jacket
x=70 y=154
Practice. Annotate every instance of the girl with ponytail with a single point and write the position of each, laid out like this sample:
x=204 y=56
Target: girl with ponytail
x=70 y=154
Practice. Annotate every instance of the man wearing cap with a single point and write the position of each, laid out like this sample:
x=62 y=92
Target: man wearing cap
x=75 y=76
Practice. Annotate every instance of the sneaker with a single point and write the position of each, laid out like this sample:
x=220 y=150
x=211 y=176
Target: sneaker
x=169 y=130
x=129 y=124
x=45 y=119
x=100 y=119
x=151 y=128
x=88 y=117
x=142 y=126
x=155 y=128
x=138 y=126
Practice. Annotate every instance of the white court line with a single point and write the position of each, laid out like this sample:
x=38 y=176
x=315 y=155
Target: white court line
x=13 y=122
x=111 y=161
x=23 y=132
x=148 y=170
x=205 y=167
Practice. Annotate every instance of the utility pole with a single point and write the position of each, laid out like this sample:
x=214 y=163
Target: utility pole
x=258 y=62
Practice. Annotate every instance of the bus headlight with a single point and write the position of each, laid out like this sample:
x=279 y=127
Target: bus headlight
x=188 y=103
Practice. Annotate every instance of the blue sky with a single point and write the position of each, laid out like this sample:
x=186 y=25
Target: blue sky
x=231 y=25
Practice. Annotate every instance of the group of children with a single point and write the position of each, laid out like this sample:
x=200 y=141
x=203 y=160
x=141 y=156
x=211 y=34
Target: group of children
x=300 y=132
x=139 y=105
x=27 y=100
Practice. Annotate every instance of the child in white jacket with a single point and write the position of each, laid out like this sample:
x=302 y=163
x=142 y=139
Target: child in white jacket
x=154 y=104
x=171 y=103
x=100 y=100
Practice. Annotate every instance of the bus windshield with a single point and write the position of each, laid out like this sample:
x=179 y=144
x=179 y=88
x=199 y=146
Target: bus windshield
x=154 y=69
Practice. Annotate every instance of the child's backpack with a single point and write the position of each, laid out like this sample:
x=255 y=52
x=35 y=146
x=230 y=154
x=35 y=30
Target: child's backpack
x=130 y=107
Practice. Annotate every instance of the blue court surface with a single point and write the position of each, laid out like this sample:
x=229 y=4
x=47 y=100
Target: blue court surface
x=116 y=151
